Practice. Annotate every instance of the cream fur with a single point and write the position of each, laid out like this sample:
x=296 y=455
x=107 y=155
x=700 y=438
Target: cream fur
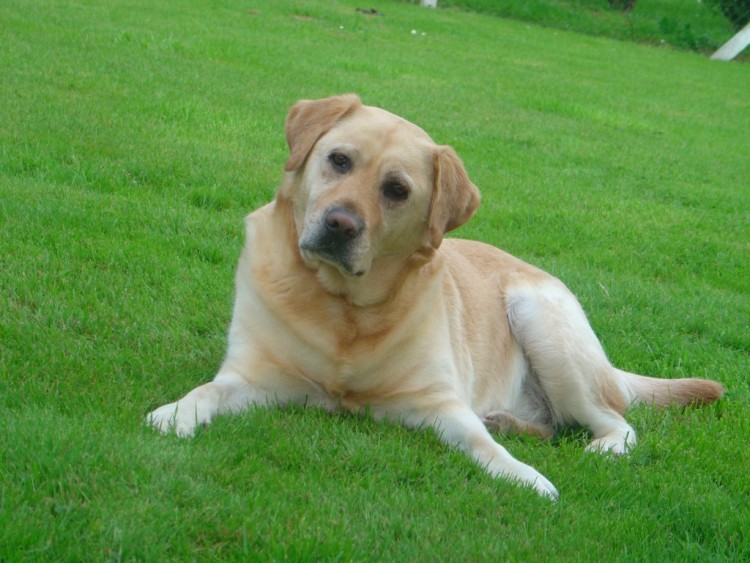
x=448 y=334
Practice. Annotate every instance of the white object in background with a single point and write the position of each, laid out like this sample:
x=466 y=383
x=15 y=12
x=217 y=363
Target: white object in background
x=428 y=3
x=734 y=46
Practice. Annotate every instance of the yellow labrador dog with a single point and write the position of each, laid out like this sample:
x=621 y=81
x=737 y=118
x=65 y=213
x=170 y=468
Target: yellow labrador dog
x=348 y=297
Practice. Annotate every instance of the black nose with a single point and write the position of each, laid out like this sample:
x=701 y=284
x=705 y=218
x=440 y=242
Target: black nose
x=343 y=224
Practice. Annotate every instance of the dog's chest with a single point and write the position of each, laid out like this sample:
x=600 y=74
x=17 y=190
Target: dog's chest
x=297 y=310
x=351 y=356
x=344 y=343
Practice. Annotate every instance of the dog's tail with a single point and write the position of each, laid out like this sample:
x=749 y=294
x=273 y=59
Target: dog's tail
x=666 y=392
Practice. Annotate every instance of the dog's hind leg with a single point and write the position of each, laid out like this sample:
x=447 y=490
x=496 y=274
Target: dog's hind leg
x=578 y=380
x=508 y=424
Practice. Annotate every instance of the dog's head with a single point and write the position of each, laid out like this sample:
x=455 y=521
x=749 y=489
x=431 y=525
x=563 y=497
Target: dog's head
x=367 y=186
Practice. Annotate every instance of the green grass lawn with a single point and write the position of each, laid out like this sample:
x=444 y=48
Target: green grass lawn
x=134 y=137
x=697 y=25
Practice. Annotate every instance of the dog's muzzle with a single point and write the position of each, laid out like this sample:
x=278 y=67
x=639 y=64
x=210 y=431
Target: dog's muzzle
x=334 y=239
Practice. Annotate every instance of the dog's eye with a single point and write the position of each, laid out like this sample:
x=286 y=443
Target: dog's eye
x=340 y=162
x=395 y=191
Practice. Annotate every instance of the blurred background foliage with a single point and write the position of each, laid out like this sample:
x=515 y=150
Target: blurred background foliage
x=694 y=25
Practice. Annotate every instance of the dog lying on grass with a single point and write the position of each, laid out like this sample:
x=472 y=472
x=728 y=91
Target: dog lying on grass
x=348 y=297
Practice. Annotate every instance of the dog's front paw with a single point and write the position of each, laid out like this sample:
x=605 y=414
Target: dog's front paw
x=182 y=417
x=526 y=476
x=539 y=483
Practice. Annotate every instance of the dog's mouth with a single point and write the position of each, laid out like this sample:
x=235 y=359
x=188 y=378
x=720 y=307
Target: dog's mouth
x=313 y=254
x=335 y=240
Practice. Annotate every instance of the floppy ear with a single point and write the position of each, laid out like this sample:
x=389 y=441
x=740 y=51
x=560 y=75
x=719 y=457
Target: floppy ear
x=454 y=197
x=309 y=120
